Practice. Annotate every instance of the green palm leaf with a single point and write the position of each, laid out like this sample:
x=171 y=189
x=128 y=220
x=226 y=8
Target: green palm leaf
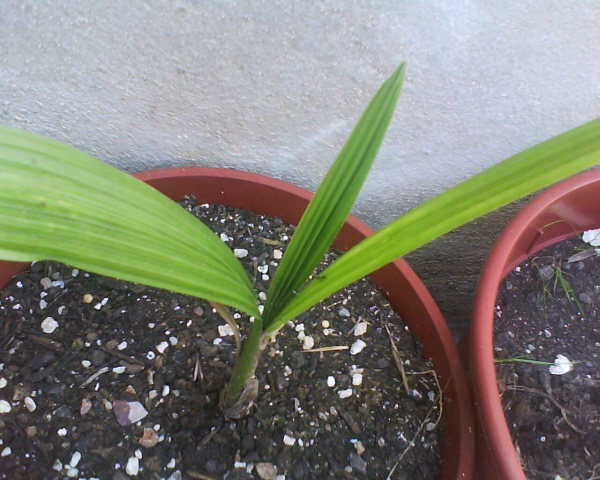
x=333 y=201
x=507 y=181
x=57 y=203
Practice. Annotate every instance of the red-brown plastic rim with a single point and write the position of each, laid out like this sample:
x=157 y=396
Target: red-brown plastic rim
x=406 y=292
x=560 y=212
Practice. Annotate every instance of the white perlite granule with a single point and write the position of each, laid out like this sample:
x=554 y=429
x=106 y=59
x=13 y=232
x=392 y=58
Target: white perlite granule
x=357 y=347
x=345 y=393
x=4 y=406
x=49 y=325
x=360 y=329
x=30 y=404
x=225 y=330
x=133 y=466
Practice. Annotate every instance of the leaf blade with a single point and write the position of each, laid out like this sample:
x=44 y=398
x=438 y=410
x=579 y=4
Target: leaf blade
x=58 y=203
x=333 y=201
x=519 y=175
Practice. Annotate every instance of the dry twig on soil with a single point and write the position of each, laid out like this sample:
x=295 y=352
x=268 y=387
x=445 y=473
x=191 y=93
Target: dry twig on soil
x=563 y=410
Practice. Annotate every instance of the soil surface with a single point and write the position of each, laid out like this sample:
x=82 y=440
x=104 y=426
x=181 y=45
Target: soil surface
x=550 y=306
x=111 y=380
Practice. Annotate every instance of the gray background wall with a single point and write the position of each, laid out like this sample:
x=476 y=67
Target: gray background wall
x=275 y=87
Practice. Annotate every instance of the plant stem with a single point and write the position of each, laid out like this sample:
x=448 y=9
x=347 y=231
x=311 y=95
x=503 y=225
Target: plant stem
x=245 y=365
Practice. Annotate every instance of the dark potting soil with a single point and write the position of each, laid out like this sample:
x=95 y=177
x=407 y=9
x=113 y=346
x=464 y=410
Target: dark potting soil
x=548 y=307
x=112 y=380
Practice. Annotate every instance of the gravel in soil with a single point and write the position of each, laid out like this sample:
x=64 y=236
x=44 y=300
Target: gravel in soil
x=112 y=380
x=549 y=307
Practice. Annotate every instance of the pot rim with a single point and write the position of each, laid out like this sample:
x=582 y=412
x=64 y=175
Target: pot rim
x=541 y=223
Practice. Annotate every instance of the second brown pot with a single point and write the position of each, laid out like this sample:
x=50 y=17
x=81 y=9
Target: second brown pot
x=562 y=211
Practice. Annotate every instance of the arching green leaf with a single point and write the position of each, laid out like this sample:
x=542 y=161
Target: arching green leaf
x=519 y=175
x=57 y=203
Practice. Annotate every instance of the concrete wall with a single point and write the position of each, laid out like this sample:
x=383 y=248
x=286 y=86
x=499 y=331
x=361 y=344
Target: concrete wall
x=275 y=87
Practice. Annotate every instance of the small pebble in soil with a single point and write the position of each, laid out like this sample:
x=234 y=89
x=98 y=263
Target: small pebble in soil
x=266 y=471
x=360 y=329
x=49 y=325
x=308 y=343
x=72 y=472
x=30 y=404
x=87 y=298
x=225 y=330
x=357 y=463
x=330 y=381
x=75 y=459
x=357 y=347
x=360 y=448
x=345 y=393
x=133 y=466
x=4 y=406
x=86 y=406
x=149 y=438
x=128 y=413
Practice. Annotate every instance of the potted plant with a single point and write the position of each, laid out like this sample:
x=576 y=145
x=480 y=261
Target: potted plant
x=563 y=211
x=407 y=294
x=53 y=190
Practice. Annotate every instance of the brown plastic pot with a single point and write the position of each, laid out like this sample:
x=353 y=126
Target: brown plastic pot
x=406 y=292
x=562 y=211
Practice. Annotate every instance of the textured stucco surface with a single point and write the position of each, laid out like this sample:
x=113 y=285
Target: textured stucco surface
x=275 y=87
